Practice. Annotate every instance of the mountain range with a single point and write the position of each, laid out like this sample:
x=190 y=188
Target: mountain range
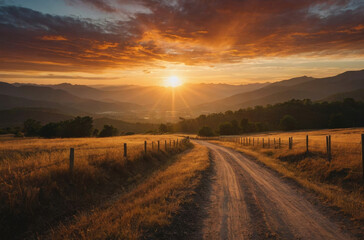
x=156 y=104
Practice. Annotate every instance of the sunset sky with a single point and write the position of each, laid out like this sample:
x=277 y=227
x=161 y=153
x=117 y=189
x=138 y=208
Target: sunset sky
x=146 y=41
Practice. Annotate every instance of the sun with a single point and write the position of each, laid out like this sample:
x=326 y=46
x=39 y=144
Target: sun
x=172 y=81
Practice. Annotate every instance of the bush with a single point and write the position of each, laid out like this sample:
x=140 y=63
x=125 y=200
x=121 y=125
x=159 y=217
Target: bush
x=108 y=131
x=77 y=127
x=288 y=123
x=206 y=132
x=337 y=121
x=31 y=128
x=163 y=128
x=226 y=129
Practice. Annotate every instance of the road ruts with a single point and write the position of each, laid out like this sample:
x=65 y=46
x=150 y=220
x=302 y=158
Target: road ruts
x=248 y=201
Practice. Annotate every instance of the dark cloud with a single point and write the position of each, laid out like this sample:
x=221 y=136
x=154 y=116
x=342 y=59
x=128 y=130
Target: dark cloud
x=99 y=4
x=185 y=31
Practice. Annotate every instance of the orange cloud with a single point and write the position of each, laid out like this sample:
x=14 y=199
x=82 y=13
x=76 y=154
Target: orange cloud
x=53 y=38
x=190 y=32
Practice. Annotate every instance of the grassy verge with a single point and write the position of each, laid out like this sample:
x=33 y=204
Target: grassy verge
x=145 y=209
x=313 y=172
x=37 y=190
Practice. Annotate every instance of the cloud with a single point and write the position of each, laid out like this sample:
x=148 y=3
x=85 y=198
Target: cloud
x=53 y=38
x=181 y=31
x=99 y=4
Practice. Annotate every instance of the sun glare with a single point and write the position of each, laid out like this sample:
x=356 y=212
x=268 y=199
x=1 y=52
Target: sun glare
x=173 y=81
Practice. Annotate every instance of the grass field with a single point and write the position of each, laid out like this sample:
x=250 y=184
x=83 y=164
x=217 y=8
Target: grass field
x=146 y=209
x=37 y=189
x=338 y=181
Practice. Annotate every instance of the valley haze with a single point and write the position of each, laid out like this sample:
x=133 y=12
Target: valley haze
x=182 y=119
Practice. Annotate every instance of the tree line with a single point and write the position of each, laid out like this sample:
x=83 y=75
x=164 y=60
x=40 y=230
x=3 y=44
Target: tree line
x=73 y=128
x=290 y=115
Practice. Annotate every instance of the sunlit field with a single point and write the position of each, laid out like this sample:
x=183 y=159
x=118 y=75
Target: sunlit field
x=339 y=179
x=37 y=188
x=146 y=210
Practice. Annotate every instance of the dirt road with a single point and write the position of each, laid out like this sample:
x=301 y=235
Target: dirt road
x=248 y=201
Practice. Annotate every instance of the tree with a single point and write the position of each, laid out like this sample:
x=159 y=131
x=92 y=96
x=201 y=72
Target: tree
x=31 y=128
x=78 y=127
x=95 y=133
x=206 y=132
x=108 y=131
x=51 y=130
x=288 y=123
x=163 y=128
x=244 y=124
x=235 y=125
x=337 y=121
x=226 y=129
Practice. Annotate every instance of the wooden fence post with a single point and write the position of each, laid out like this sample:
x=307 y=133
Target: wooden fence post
x=72 y=159
x=158 y=145
x=306 y=143
x=279 y=143
x=125 y=150
x=177 y=142
x=328 y=147
x=165 y=145
x=268 y=142
x=170 y=143
x=290 y=143
x=263 y=142
x=274 y=143
x=145 y=147
x=362 y=152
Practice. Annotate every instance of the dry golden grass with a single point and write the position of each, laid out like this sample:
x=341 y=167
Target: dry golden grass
x=339 y=181
x=146 y=208
x=36 y=188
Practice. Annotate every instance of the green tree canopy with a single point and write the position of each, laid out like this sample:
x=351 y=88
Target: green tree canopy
x=206 y=132
x=288 y=123
x=32 y=128
x=108 y=131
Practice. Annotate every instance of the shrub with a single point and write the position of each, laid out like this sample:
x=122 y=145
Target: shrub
x=206 y=132
x=226 y=129
x=288 y=123
x=31 y=128
x=108 y=131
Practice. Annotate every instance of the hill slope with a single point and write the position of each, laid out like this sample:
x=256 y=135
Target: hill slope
x=356 y=94
x=296 y=88
x=16 y=117
x=40 y=96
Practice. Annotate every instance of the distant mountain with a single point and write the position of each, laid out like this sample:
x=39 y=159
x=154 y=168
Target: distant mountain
x=233 y=101
x=7 y=102
x=37 y=93
x=160 y=104
x=16 y=117
x=41 y=96
x=81 y=91
x=356 y=94
x=296 y=88
x=158 y=97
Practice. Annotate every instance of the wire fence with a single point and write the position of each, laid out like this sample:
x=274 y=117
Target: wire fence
x=340 y=149
x=47 y=158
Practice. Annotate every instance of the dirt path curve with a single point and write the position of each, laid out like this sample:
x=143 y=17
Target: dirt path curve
x=248 y=201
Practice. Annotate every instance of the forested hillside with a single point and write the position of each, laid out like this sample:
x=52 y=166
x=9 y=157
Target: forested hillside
x=294 y=114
